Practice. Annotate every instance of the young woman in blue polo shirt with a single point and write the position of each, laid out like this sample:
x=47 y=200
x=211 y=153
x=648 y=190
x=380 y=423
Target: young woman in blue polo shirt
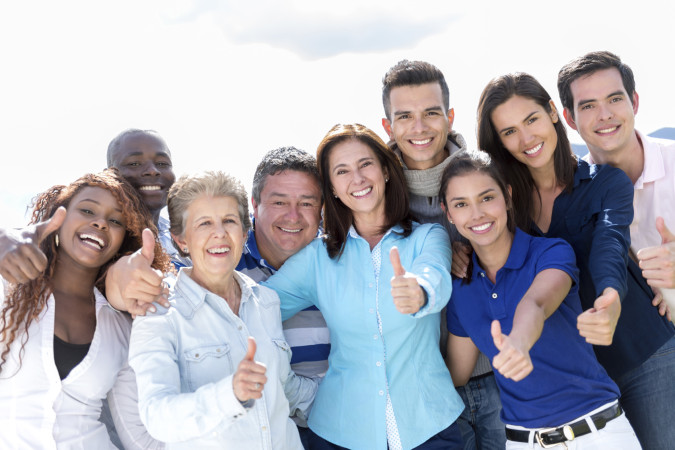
x=519 y=304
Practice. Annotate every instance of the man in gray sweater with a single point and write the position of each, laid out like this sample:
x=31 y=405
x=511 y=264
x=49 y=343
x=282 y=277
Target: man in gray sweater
x=419 y=124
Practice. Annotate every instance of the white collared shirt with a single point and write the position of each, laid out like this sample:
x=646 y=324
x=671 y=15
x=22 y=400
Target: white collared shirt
x=39 y=410
x=185 y=358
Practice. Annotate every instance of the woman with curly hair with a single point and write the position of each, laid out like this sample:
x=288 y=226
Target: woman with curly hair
x=63 y=350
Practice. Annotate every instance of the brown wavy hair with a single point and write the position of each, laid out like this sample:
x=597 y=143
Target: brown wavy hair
x=337 y=217
x=25 y=301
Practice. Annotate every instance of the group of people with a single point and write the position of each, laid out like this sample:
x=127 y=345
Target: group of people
x=409 y=294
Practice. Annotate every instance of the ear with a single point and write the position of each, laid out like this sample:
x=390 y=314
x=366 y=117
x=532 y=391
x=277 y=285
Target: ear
x=451 y=118
x=636 y=102
x=510 y=191
x=179 y=240
x=386 y=124
x=554 y=112
x=569 y=119
x=255 y=208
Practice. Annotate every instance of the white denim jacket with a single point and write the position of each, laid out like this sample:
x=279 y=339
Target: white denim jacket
x=185 y=358
x=39 y=410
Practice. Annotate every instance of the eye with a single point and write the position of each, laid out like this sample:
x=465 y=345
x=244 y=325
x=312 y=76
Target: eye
x=532 y=120
x=279 y=203
x=117 y=222
x=615 y=99
x=488 y=198
x=204 y=223
x=163 y=164
x=433 y=113
x=585 y=107
x=341 y=172
x=86 y=211
x=367 y=163
x=459 y=205
x=229 y=221
x=307 y=205
x=403 y=116
x=132 y=164
x=509 y=132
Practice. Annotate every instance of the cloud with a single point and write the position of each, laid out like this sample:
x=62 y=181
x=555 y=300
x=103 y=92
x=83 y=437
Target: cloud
x=320 y=31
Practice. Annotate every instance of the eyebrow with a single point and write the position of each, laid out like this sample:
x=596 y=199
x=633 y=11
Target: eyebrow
x=432 y=108
x=367 y=158
x=524 y=120
x=479 y=195
x=284 y=195
x=613 y=94
x=96 y=203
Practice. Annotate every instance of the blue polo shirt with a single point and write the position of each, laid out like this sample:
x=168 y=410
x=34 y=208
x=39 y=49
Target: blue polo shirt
x=594 y=218
x=567 y=381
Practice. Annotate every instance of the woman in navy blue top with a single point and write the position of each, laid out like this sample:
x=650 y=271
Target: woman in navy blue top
x=591 y=207
x=518 y=305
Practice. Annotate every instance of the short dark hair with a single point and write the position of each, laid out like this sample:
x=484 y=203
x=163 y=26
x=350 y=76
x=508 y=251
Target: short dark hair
x=412 y=73
x=468 y=162
x=586 y=65
x=337 y=217
x=497 y=92
x=117 y=141
x=279 y=160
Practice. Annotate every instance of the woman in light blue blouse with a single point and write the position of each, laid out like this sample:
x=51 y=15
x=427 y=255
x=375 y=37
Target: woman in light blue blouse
x=380 y=281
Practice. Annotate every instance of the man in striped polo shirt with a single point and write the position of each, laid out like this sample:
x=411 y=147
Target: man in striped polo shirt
x=286 y=199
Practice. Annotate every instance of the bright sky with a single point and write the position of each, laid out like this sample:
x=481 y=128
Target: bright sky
x=225 y=81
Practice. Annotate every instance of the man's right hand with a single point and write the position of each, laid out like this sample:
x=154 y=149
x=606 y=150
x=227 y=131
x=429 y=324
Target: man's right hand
x=21 y=259
x=132 y=284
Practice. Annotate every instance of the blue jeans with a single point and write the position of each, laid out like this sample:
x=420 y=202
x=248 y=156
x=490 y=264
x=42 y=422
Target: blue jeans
x=479 y=423
x=648 y=397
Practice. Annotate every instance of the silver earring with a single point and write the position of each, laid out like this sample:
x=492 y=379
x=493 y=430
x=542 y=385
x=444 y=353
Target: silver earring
x=452 y=222
x=56 y=239
x=185 y=250
x=386 y=180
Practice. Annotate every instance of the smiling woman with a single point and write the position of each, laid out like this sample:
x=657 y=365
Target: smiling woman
x=63 y=350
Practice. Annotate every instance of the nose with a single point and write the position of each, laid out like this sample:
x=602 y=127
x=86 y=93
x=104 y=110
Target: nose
x=292 y=212
x=419 y=124
x=99 y=223
x=527 y=137
x=605 y=111
x=150 y=170
x=476 y=211
x=358 y=177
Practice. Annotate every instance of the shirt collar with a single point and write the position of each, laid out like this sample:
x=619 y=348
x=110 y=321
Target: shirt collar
x=355 y=234
x=517 y=255
x=653 y=168
x=251 y=247
x=194 y=295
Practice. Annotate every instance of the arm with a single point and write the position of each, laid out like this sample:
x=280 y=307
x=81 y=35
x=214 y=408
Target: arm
x=549 y=288
x=168 y=414
x=461 y=358
x=123 y=401
x=431 y=269
x=608 y=258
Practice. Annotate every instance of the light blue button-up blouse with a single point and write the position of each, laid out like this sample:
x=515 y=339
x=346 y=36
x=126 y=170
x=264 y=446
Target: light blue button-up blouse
x=349 y=409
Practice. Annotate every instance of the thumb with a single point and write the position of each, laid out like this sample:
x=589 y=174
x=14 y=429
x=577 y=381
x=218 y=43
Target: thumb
x=604 y=301
x=396 y=262
x=50 y=225
x=666 y=235
x=148 y=248
x=250 y=351
x=497 y=336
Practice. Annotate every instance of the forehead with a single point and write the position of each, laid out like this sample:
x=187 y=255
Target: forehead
x=291 y=182
x=206 y=205
x=97 y=194
x=417 y=97
x=142 y=144
x=514 y=110
x=470 y=184
x=350 y=151
x=597 y=85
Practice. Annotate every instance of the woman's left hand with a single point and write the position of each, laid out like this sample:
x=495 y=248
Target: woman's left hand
x=408 y=295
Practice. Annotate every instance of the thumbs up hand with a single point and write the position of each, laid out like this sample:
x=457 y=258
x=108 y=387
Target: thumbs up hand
x=658 y=262
x=408 y=295
x=21 y=259
x=513 y=360
x=249 y=379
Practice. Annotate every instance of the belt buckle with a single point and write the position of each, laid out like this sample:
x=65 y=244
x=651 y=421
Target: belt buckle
x=538 y=436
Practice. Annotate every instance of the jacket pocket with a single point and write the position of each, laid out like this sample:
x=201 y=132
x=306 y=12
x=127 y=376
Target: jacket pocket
x=207 y=364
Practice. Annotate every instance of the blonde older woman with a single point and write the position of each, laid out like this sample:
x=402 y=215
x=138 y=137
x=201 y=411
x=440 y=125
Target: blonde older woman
x=203 y=381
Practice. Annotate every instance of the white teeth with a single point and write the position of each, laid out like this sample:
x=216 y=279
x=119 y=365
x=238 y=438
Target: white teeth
x=422 y=142
x=288 y=230
x=534 y=150
x=149 y=188
x=363 y=192
x=96 y=240
x=607 y=130
x=483 y=227
x=219 y=250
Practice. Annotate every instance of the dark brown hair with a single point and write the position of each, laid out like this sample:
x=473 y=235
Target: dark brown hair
x=412 y=73
x=337 y=217
x=497 y=92
x=24 y=302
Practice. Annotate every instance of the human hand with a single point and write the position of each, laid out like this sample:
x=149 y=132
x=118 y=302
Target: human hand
x=661 y=303
x=249 y=380
x=132 y=284
x=461 y=255
x=21 y=259
x=658 y=262
x=513 y=360
x=597 y=324
x=408 y=295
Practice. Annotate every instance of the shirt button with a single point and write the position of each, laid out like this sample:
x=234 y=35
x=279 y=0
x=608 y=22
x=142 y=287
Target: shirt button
x=482 y=274
x=378 y=364
x=381 y=392
x=370 y=285
x=264 y=428
x=375 y=336
x=196 y=355
x=218 y=350
x=494 y=295
x=239 y=327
